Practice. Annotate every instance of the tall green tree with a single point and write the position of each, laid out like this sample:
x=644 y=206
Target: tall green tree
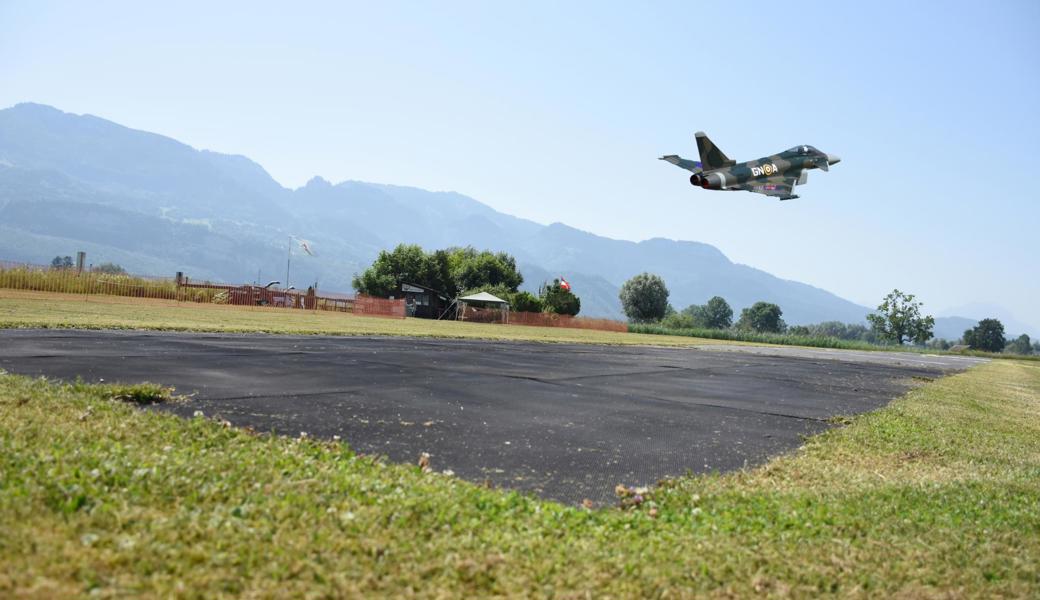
x=987 y=335
x=898 y=319
x=1020 y=345
x=644 y=298
x=691 y=316
x=558 y=299
x=525 y=302
x=472 y=269
x=407 y=263
x=680 y=320
x=763 y=317
x=717 y=313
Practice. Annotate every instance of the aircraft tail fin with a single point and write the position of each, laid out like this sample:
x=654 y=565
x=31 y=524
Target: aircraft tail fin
x=711 y=156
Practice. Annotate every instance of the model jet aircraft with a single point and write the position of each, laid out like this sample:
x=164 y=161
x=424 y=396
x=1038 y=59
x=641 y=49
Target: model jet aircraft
x=774 y=175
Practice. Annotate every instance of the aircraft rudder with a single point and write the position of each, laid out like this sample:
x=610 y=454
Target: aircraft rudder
x=711 y=156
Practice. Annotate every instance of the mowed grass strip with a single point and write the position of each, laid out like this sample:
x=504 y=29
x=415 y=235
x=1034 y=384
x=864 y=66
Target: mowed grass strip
x=48 y=310
x=936 y=495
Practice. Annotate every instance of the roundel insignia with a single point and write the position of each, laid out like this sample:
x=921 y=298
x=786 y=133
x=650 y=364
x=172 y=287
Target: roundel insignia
x=767 y=169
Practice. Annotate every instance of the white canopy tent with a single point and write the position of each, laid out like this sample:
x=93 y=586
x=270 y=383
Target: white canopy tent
x=488 y=300
x=483 y=297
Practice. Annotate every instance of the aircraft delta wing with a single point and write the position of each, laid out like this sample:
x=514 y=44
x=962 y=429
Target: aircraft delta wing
x=775 y=175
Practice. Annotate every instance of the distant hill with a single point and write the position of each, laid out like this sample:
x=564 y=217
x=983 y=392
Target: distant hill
x=155 y=205
x=1013 y=326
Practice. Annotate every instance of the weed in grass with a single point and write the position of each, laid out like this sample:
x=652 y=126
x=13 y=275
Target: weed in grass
x=840 y=419
x=140 y=393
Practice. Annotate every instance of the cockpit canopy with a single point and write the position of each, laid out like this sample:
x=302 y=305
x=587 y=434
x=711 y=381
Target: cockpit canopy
x=804 y=150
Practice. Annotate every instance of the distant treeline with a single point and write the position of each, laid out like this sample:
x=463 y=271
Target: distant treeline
x=898 y=323
x=743 y=335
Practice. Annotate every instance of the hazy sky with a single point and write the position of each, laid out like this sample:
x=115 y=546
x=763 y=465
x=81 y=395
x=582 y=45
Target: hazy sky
x=558 y=112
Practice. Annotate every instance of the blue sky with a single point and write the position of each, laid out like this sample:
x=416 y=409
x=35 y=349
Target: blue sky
x=558 y=112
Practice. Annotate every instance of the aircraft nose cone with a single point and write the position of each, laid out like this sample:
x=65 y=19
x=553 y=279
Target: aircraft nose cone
x=833 y=159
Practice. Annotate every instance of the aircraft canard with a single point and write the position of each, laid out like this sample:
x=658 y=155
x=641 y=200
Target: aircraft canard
x=775 y=175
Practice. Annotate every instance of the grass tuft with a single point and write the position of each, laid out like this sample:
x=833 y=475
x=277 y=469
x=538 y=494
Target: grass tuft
x=140 y=393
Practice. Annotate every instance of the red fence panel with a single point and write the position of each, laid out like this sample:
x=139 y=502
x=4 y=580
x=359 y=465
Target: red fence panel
x=477 y=314
x=381 y=307
x=555 y=320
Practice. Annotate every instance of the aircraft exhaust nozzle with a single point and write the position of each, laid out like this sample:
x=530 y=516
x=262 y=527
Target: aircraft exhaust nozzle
x=712 y=182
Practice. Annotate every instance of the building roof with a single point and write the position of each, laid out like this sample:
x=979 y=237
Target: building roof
x=483 y=297
x=415 y=288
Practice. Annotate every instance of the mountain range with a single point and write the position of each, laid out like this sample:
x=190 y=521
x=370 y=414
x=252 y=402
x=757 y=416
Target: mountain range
x=157 y=206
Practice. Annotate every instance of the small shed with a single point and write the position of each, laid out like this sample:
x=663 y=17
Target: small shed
x=423 y=302
x=483 y=307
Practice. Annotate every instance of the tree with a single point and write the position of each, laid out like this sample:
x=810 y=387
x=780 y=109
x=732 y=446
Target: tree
x=898 y=319
x=525 y=302
x=988 y=335
x=679 y=320
x=939 y=344
x=762 y=317
x=471 y=269
x=61 y=262
x=558 y=299
x=451 y=271
x=1021 y=345
x=835 y=329
x=407 y=263
x=717 y=314
x=110 y=269
x=644 y=298
x=692 y=314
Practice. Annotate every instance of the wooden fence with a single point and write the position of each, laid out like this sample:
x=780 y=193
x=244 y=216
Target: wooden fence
x=69 y=280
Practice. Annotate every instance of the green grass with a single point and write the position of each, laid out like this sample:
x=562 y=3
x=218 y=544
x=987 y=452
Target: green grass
x=41 y=310
x=936 y=495
x=787 y=339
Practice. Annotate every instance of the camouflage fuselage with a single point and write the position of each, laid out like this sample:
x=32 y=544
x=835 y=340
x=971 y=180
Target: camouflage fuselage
x=775 y=175
x=786 y=164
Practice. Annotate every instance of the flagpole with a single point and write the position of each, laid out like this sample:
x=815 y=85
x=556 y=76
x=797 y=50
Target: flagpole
x=287 y=260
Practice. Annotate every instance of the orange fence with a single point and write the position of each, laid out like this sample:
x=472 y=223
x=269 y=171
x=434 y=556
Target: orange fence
x=474 y=314
x=69 y=280
x=478 y=314
x=367 y=305
x=555 y=320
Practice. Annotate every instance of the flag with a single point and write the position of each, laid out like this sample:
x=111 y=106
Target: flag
x=305 y=246
x=564 y=284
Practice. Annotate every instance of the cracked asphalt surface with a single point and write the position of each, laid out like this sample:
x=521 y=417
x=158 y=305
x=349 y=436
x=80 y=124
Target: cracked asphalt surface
x=566 y=422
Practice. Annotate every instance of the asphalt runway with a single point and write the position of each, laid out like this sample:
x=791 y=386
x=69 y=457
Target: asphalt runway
x=566 y=422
